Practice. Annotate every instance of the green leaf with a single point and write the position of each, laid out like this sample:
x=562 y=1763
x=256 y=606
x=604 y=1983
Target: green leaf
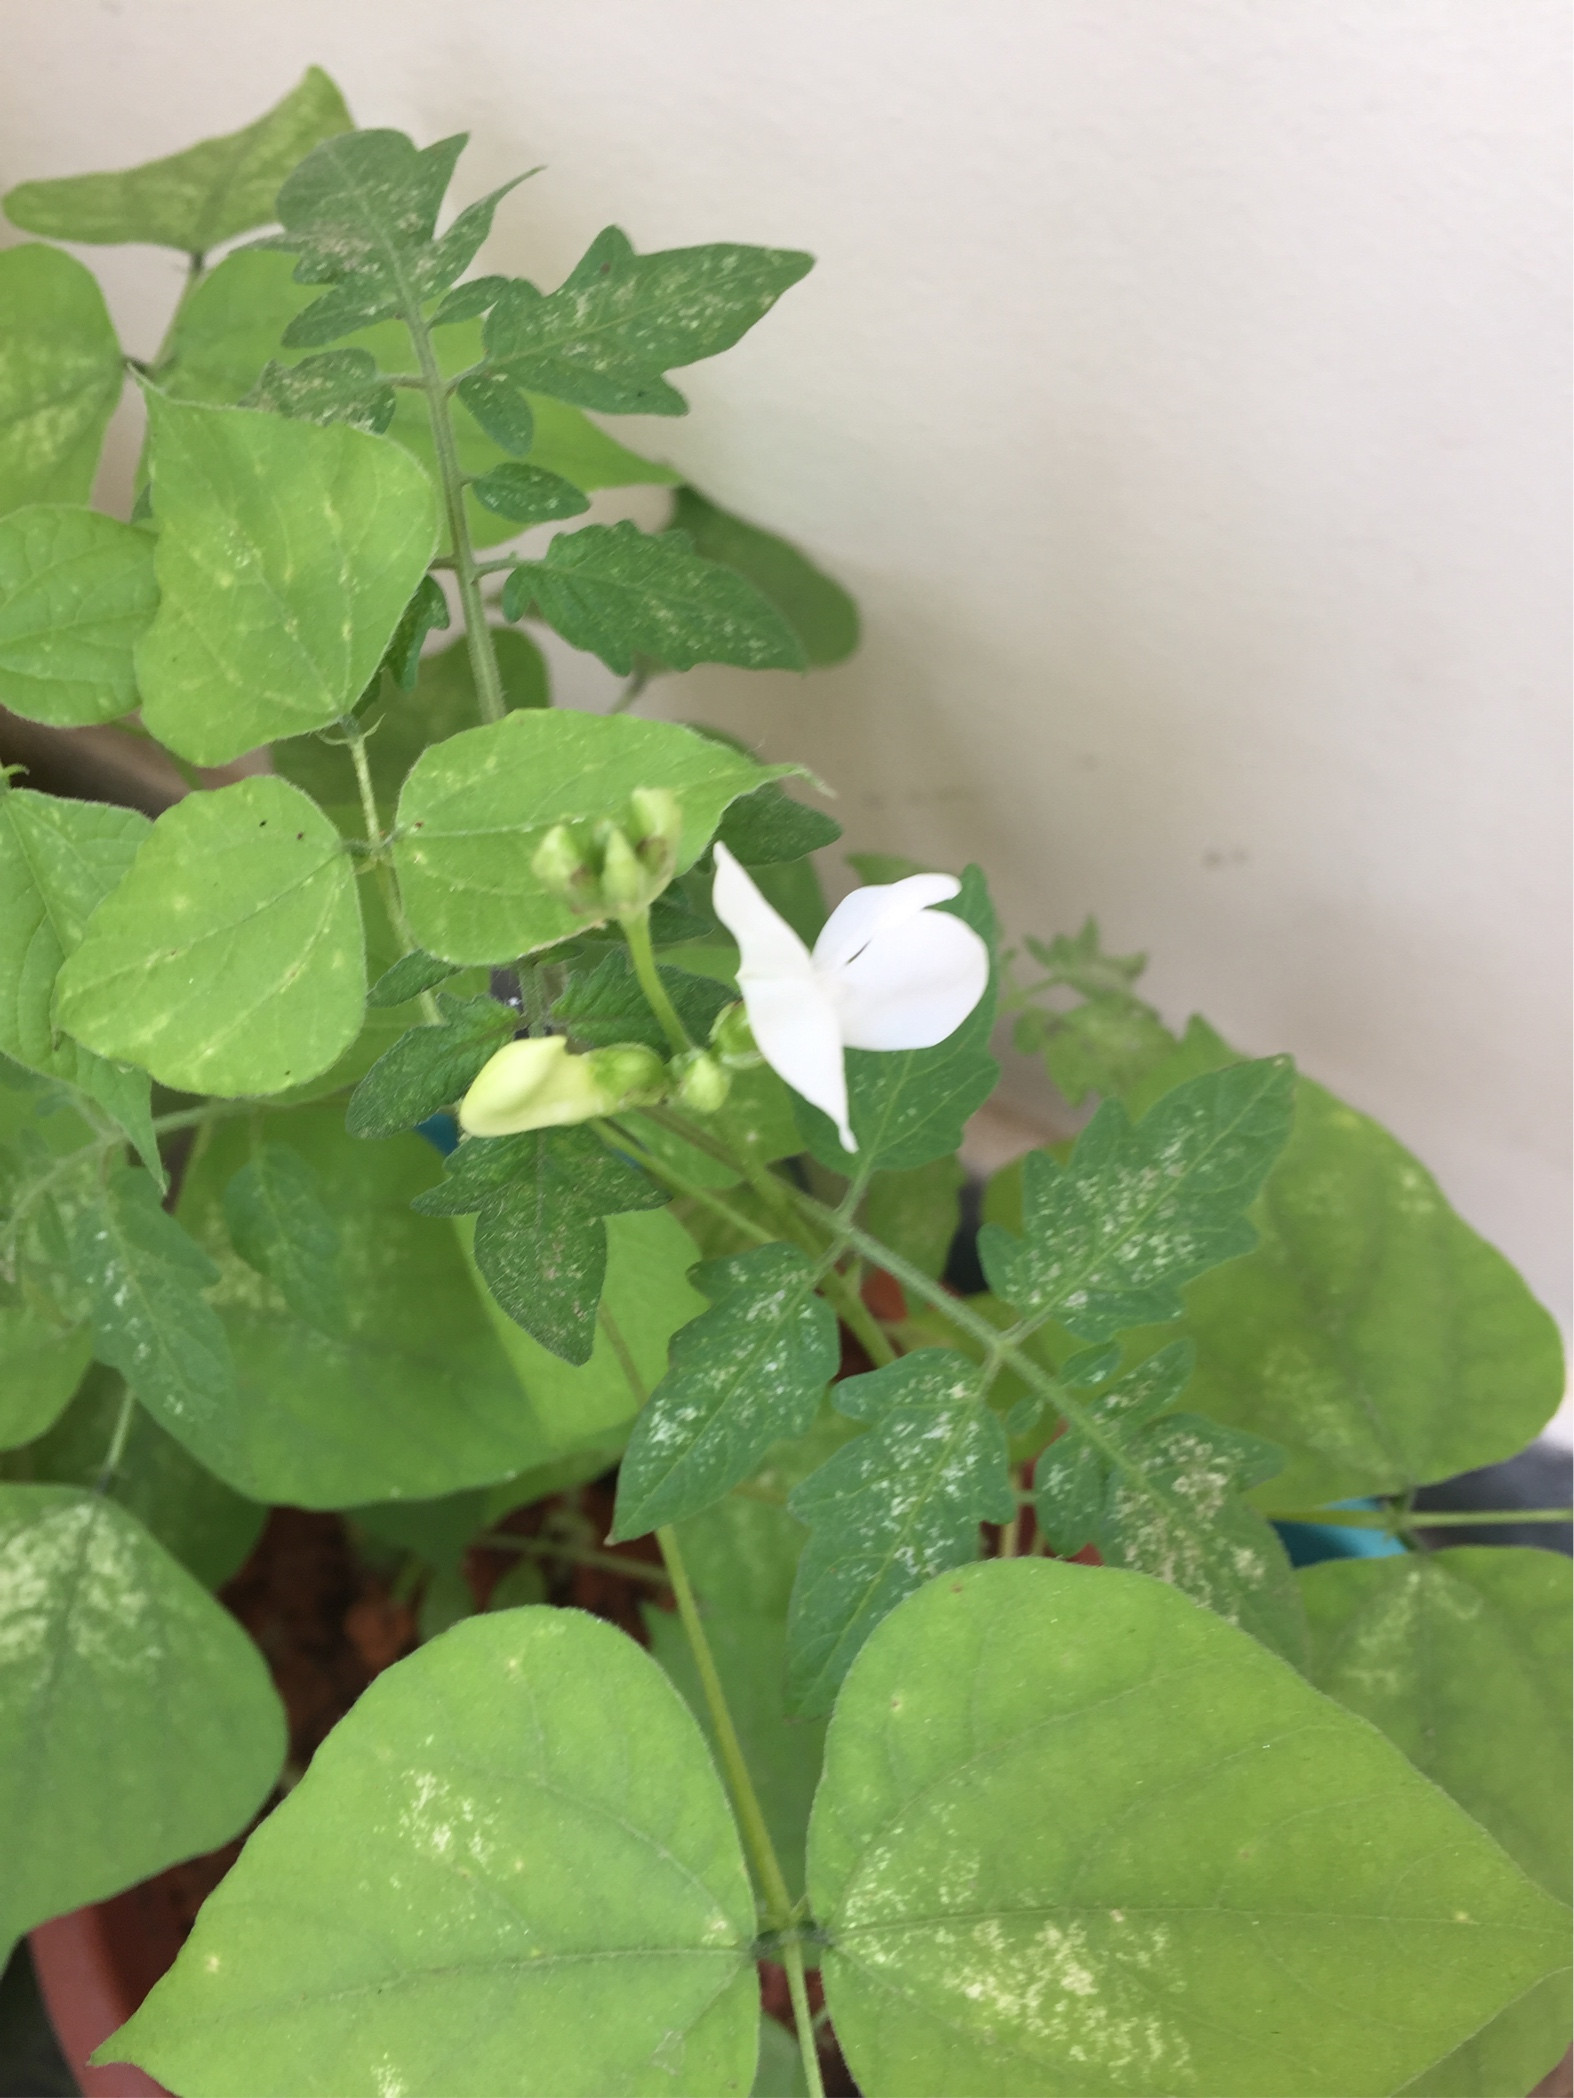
x=1078 y=962
x=748 y=1372
x=338 y=386
x=909 y=1107
x=191 y=200
x=511 y=1868
x=1236 y=1887
x=475 y=809
x=604 y=1006
x=528 y=495
x=60 y=377
x=137 y=1721
x=287 y=553
x=819 y=611
x=622 y=593
x=606 y=335
x=430 y=1067
x=539 y=1200
x=415 y=1400
x=145 y=1280
x=1106 y=1046
x=408 y=978
x=195 y=1517
x=76 y=592
x=42 y=1358
x=278 y=1225
x=1511 y=2053
x=1159 y=1492
x=891 y=1509
x=780 y=2072
x=58 y=860
x=918 y=1212
x=501 y=411
x=230 y=959
x=426 y=613
x=768 y=825
x=1109 y=1240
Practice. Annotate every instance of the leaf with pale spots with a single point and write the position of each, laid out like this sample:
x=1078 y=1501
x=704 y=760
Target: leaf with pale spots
x=749 y=1372
x=287 y=553
x=431 y=1067
x=1160 y=1492
x=891 y=1509
x=76 y=592
x=231 y=957
x=60 y=377
x=137 y=1721
x=1108 y=1241
x=277 y=1224
x=336 y=386
x=1076 y=1834
x=512 y=1868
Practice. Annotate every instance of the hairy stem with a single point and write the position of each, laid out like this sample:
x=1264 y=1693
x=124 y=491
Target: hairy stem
x=636 y=930
x=387 y=879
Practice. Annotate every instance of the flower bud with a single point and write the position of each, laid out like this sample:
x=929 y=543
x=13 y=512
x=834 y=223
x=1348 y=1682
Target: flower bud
x=656 y=822
x=625 y=885
x=538 y=1084
x=561 y=864
x=703 y=1084
x=732 y=1038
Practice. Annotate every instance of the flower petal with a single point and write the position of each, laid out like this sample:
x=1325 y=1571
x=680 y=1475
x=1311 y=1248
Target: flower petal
x=858 y=917
x=767 y=944
x=912 y=985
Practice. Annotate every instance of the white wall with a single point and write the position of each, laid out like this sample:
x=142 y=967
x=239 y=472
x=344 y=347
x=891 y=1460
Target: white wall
x=1182 y=390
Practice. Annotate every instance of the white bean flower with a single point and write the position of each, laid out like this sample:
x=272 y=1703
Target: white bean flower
x=887 y=972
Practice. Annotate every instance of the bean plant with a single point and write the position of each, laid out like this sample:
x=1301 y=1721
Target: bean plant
x=473 y=1095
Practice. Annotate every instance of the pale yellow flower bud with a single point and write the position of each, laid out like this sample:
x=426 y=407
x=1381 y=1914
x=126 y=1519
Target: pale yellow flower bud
x=540 y=1085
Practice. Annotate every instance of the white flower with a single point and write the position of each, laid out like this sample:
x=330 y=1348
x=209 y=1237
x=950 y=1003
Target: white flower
x=886 y=973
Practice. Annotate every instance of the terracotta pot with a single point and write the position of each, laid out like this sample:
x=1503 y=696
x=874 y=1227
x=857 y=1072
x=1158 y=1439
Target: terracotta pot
x=86 y=1966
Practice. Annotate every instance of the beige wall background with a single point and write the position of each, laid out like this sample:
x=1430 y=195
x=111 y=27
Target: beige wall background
x=1183 y=392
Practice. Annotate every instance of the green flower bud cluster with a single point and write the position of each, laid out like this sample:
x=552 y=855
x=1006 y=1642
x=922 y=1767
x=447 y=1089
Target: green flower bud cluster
x=610 y=869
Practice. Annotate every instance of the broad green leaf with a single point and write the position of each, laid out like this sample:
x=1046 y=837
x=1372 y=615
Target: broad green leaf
x=918 y=1212
x=339 y=386
x=277 y=1224
x=58 y=861
x=475 y=809
x=137 y=1721
x=60 y=377
x=287 y=552
x=1077 y=1834
x=415 y=1400
x=645 y=1298
x=768 y=826
x=511 y=1870
x=146 y=1281
x=820 y=612
x=191 y=200
x=195 y=1517
x=430 y=1067
x=42 y=1358
x=620 y=320
x=908 y=1107
x=1160 y=1492
x=528 y=495
x=1108 y=1241
x=1513 y=2053
x=891 y=1509
x=622 y=593
x=748 y=1372
x=76 y=592
x=540 y=1242
x=604 y=1005
x=230 y=959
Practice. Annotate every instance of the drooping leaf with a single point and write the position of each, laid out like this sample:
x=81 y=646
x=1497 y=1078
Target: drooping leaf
x=768 y=825
x=196 y=199
x=277 y=1224
x=908 y=1107
x=1160 y=1492
x=511 y=1868
x=230 y=959
x=818 y=610
x=748 y=1372
x=408 y=978
x=194 y=1516
x=475 y=809
x=1109 y=1240
x=1075 y=1833
x=604 y=338
x=287 y=552
x=528 y=495
x=430 y=1067
x=622 y=593
x=891 y=1509
x=604 y=1005
x=337 y=386
x=539 y=1200
x=76 y=592
x=137 y=1721
x=414 y=1399
x=60 y=377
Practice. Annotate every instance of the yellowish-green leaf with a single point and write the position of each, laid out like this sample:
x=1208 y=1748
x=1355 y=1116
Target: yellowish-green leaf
x=60 y=377
x=76 y=593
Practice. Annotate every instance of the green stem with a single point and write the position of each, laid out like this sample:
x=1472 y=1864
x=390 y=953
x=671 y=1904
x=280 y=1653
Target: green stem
x=572 y=1555
x=117 y=1443
x=802 y=2017
x=636 y=930
x=860 y=1321
x=387 y=879
x=478 y=635
x=616 y=1138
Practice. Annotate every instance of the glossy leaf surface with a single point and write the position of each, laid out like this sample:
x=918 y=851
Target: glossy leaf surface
x=510 y=1870
x=76 y=593
x=60 y=377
